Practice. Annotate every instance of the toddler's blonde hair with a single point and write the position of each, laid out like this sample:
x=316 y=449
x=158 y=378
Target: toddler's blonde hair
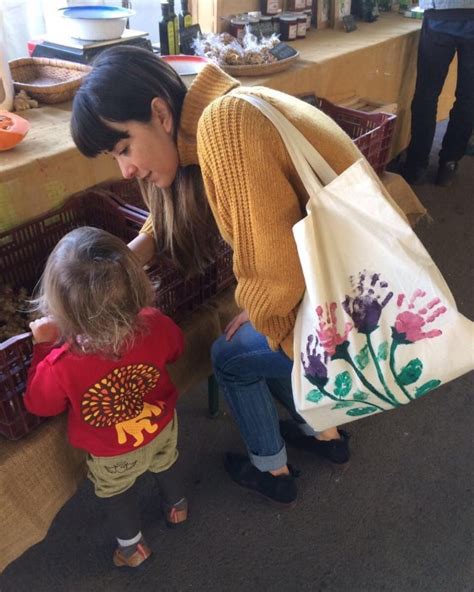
x=93 y=287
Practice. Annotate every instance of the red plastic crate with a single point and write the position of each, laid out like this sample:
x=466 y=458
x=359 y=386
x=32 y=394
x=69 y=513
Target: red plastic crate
x=372 y=133
x=23 y=254
x=127 y=191
x=15 y=358
x=25 y=249
x=127 y=194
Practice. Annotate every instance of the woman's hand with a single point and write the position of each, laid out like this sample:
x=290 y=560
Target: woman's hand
x=44 y=330
x=235 y=324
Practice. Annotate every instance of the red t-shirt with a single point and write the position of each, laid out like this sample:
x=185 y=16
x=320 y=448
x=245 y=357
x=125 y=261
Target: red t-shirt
x=114 y=406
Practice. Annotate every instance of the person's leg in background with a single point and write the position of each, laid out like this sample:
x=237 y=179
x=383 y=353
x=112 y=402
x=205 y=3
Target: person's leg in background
x=461 y=117
x=435 y=53
x=123 y=516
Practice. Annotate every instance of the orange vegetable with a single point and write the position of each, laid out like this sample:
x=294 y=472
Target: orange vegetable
x=13 y=129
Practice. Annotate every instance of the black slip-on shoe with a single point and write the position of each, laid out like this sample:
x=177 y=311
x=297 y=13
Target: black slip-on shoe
x=280 y=489
x=337 y=451
x=446 y=173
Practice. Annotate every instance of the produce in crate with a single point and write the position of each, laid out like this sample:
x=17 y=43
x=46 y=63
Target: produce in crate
x=13 y=316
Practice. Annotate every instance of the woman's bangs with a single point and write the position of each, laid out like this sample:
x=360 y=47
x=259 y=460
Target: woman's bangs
x=90 y=131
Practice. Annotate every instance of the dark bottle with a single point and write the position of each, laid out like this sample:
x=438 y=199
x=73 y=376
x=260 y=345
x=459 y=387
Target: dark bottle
x=185 y=18
x=174 y=16
x=167 y=31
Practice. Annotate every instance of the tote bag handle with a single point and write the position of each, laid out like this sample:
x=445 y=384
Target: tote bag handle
x=310 y=165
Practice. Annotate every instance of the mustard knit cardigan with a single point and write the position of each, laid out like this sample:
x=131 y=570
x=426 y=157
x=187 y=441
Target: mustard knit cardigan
x=254 y=190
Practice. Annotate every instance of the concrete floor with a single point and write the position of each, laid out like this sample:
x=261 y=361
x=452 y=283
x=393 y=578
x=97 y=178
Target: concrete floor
x=398 y=519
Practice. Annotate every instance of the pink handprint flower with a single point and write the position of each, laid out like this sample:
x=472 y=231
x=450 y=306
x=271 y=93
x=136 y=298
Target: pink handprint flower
x=329 y=338
x=410 y=324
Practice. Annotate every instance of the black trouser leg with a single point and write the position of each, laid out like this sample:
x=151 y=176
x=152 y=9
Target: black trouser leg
x=171 y=483
x=461 y=118
x=435 y=53
x=123 y=514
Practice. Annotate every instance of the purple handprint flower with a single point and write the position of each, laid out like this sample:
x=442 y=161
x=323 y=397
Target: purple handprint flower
x=409 y=325
x=366 y=306
x=314 y=369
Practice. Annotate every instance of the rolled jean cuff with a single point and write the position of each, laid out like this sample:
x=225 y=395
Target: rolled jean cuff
x=269 y=463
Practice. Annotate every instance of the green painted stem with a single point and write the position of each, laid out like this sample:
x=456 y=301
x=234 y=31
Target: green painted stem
x=393 y=347
x=366 y=383
x=333 y=398
x=388 y=392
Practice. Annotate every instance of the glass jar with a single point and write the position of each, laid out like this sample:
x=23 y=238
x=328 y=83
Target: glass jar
x=237 y=26
x=296 y=5
x=254 y=24
x=276 y=24
x=266 y=26
x=309 y=15
x=300 y=25
x=270 y=7
x=288 y=26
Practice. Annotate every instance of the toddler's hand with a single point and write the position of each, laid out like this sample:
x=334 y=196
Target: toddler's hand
x=44 y=330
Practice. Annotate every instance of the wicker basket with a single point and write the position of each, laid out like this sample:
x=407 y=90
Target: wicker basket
x=260 y=69
x=47 y=81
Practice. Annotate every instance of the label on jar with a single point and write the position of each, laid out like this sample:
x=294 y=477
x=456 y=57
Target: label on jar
x=292 y=31
x=309 y=3
x=271 y=6
x=298 y=4
x=301 y=28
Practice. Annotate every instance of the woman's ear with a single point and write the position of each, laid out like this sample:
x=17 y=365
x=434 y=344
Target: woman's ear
x=160 y=111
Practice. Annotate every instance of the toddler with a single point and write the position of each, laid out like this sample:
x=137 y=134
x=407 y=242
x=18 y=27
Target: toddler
x=100 y=353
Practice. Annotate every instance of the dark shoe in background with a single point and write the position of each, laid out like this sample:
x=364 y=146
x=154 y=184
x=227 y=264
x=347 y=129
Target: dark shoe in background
x=337 y=451
x=446 y=173
x=412 y=173
x=280 y=489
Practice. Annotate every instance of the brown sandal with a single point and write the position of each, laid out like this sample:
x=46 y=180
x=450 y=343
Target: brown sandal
x=140 y=555
x=177 y=513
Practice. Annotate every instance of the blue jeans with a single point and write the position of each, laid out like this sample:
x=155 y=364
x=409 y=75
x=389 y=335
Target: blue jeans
x=250 y=374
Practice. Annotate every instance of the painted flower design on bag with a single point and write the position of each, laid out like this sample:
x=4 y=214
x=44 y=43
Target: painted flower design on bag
x=314 y=368
x=409 y=325
x=327 y=331
x=365 y=307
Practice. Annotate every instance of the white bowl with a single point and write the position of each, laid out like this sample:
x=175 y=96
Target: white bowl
x=96 y=23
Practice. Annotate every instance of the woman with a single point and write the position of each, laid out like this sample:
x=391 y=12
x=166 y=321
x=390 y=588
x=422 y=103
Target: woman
x=204 y=157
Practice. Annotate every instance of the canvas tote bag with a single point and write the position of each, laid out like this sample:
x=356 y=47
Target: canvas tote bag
x=378 y=326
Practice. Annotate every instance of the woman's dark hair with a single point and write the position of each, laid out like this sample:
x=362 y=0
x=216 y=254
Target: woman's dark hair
x=121 y=86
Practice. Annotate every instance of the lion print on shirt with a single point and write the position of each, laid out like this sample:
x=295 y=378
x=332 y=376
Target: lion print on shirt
x=118 y=400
